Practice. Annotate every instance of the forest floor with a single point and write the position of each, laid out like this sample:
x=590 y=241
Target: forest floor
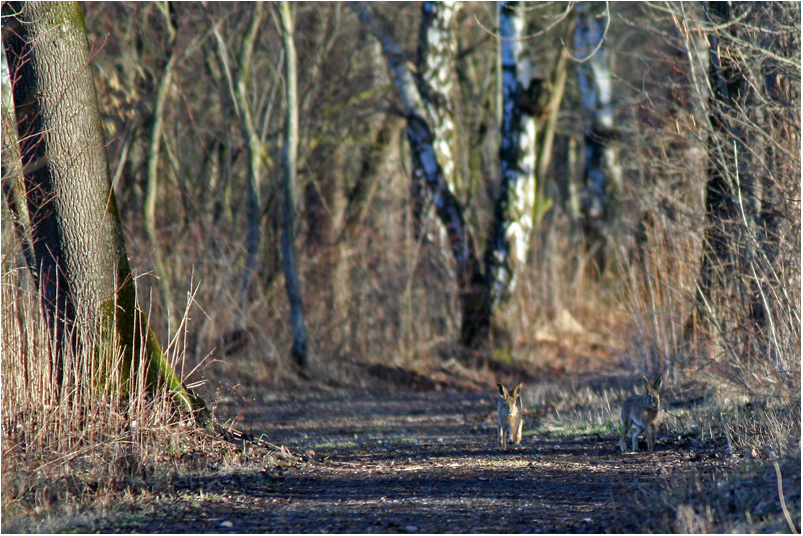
x=419 y=460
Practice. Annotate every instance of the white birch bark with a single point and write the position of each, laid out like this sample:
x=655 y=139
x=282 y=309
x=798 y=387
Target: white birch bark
x=421 y=141
x=437 y=48
x=475 y=314
x=514 y=212
x=602 y=169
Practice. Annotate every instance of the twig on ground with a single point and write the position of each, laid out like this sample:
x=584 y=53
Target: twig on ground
x=783 y=501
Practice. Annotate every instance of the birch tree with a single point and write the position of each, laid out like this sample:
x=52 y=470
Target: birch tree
x=470 y=279
x=437 y=48
x=297 y=322
x=602 y=171
x=514 y=212
x=481 y=291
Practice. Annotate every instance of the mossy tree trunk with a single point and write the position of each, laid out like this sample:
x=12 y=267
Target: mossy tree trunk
x=84 y=279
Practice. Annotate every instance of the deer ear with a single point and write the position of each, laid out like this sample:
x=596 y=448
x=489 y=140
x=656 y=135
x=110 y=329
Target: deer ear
x=517 y=391
x=657 y=383
x=502 y=390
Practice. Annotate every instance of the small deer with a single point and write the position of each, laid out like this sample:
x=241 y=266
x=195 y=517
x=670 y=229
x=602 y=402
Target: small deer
x=511 y=415
x=642 y=411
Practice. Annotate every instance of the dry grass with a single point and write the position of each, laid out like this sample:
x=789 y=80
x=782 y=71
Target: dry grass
x=394 y=303
x=64 y=454
x=763 y=498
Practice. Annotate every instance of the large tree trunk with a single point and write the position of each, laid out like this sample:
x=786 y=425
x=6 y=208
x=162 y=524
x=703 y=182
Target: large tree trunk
x=297 y=322
x=602 y=170
x=437 y=49
x=514 y=212
x=470 y=280
x=85 y=283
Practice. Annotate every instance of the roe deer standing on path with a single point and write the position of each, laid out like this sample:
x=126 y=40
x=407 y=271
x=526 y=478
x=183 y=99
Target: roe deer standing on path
x=511 y=413
x=642 y=411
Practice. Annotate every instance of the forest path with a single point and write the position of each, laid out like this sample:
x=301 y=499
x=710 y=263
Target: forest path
x=414 y=462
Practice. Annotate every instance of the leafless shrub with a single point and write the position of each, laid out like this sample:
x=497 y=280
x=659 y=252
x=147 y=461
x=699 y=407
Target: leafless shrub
x=735 y=315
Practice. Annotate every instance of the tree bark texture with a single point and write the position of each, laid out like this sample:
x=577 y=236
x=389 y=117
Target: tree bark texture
x=471 y=284
x=514 y=212
x=85 y=282
x=298 y=324
x=437 y=49
x=602 y=170
x=254 y=148
x=475 y=324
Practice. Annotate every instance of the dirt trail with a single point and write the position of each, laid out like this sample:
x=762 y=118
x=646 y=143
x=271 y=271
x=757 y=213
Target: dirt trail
x=412 y=462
